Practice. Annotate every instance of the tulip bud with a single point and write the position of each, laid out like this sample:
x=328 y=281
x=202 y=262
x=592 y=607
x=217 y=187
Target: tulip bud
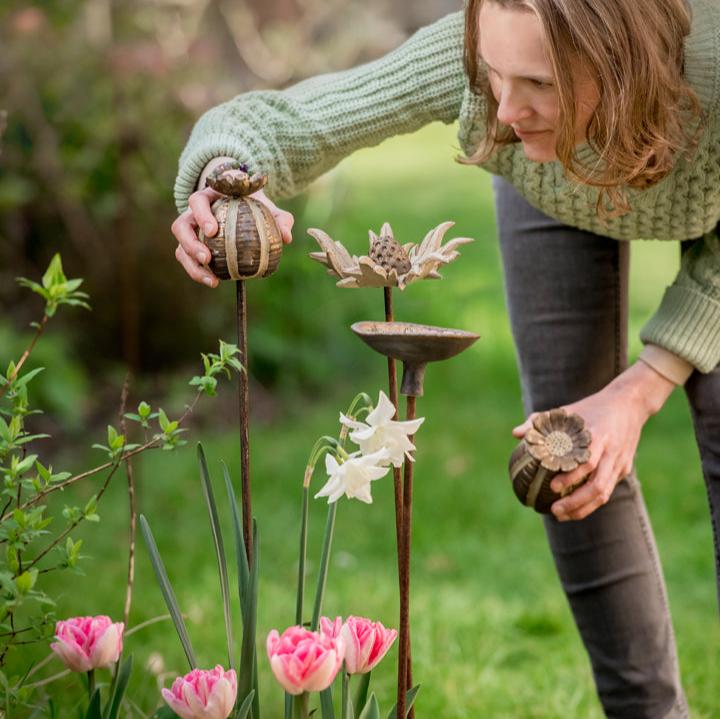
x=86 y=643
x=203 y=694
x=304 y=661
x=366 y=643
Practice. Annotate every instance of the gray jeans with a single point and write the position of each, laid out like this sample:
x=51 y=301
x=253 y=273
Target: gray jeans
x=567 y=299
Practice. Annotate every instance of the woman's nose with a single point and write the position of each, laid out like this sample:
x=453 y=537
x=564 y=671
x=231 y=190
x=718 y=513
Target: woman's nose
x=512 y=106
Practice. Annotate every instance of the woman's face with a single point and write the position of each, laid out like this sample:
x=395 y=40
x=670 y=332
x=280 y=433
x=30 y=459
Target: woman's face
x=512 y=45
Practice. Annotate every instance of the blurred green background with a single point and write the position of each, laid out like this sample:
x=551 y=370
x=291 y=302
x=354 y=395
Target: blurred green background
x=492 y=635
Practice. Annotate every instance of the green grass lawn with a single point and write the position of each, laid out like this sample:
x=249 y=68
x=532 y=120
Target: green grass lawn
x=492 y=634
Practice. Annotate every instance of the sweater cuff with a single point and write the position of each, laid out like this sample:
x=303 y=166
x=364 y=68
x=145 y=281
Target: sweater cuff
x=687 y=324
x=670 y=366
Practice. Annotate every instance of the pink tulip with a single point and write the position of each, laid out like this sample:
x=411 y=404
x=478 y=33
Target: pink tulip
x=331 y=629
x=203 y=694
x=85 y=643
x=366 y=643
x=304 y=661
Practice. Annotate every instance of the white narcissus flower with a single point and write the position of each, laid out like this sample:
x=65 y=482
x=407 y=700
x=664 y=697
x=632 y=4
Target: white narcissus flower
x=380 y=430
x=353 y=477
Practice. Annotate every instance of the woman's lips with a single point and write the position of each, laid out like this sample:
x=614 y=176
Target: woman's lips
x=529 y=134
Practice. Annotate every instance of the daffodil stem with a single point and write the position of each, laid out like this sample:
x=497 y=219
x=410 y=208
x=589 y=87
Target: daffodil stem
x=363 y=397
x=303 y=555
x=324 y=565
x=321 y=445
x=404 y=660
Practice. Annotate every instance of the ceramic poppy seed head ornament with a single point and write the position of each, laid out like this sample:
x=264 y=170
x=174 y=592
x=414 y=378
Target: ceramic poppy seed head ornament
x=248 y=242
x=557 y=442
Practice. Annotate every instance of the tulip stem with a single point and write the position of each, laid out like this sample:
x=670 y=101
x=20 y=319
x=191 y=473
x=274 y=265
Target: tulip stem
x=345 y=694
x=324 y=565
x=302 y=706
x=91 y=683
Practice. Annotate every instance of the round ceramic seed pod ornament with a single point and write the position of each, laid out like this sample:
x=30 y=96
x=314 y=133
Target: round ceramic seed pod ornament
x=248 y=243
x=557 y=442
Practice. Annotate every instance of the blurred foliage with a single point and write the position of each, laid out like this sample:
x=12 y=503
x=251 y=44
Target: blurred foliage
x=100 y=98
x=37 y=535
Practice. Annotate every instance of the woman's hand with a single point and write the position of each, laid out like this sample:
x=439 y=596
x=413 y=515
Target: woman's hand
x=192 y=254
x=615 y=417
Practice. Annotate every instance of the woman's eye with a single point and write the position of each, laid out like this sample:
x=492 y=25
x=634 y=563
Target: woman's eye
x=540 y=84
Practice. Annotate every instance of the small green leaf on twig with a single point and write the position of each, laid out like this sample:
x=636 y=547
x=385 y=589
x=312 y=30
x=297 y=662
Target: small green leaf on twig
x=56 y=289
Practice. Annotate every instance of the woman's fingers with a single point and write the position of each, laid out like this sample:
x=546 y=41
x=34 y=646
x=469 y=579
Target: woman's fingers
x=191 y=253
x=200 y=206
x=566 y=480
x=590 y=496
x=284 y=220
x=184 y=229
x=520 y=431
x=196 y=271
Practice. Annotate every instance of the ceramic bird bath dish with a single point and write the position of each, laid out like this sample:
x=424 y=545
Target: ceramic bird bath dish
x=414 y=345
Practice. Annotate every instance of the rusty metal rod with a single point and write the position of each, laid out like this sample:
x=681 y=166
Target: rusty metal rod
x=393 y=394
x=404 y=663
x=244 y=407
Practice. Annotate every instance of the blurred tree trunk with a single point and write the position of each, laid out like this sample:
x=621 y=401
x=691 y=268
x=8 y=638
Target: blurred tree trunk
x=123 y=242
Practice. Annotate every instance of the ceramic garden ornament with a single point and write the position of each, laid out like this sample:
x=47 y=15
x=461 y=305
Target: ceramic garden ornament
x=557 y=442
x=248 y=243
x=388 y=263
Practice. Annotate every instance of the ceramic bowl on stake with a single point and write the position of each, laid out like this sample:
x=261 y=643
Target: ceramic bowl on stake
x=415 y=346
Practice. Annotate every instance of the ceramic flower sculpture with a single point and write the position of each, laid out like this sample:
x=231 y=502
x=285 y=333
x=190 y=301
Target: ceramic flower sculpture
x=388 y=264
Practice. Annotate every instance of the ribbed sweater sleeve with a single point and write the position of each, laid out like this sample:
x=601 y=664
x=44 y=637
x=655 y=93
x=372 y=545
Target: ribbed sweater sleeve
x=688 y=320
x=297 y=134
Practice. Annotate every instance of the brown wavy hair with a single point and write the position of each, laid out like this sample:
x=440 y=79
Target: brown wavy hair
x=647 y=113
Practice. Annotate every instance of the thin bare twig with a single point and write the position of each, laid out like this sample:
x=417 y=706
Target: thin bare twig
x=147 y=623
x=151 y=444
x=53 y=678
x=133 y=509
x=25 y=355
x=70 y=528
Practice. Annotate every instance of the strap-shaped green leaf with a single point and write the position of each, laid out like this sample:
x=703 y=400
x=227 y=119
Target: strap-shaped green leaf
x=121 y=683
x=219 y=549
x=240 y=550
x=167 y=591
x=409 y=701
x=244 y=710
x=247 y=653
x=362 y=692
x=324 y=566
x=371 y=710
x=244 y=588
x=326 y=704
x=94 y=711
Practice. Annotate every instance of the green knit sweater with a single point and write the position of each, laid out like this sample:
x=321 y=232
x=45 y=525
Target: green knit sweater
x=299 y=133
